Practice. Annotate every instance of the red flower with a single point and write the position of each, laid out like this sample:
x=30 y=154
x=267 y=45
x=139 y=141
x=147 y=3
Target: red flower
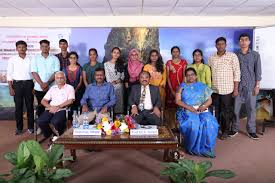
x=131 y=125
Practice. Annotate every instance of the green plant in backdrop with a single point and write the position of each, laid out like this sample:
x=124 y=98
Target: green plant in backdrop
x=32 y=164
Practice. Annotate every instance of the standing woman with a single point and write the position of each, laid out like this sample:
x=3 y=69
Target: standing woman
x=114 y=70
x=89 y=68
x=156 y=68
x=132 y=71
x=133 y=68
x=175 y=69
x=73 y=73
x=203 y=70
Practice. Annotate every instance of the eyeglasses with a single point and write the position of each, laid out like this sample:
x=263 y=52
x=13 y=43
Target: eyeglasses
x=134 y=54
x=72 y=57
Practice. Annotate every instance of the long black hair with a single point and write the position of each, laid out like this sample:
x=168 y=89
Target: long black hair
x=198 y=50
x=119 y=66
x=159 y=64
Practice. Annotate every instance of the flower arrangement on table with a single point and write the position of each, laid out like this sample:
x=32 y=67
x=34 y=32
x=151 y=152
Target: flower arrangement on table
x=121 y=124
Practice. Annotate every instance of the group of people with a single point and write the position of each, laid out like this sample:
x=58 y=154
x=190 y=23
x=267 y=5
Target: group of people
x=184 y=92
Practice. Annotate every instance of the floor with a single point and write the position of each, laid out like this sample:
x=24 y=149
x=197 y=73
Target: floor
x=252 y=161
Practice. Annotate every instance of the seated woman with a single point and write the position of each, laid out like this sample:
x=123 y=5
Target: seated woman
x=198 y=126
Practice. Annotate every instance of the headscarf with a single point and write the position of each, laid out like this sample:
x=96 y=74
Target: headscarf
x=134 y=67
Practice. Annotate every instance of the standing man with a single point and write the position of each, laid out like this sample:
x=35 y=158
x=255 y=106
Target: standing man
x=63 y=56
x=21 y=86
x=43 y=68
x=225 y=80
x=250 y=63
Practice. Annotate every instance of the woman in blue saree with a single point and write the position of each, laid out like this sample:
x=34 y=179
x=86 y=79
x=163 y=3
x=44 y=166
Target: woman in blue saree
x=198 y=126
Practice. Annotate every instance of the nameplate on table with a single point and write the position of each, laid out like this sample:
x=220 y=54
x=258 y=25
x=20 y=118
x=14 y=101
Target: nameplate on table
x=145 y=130
x=92 y=131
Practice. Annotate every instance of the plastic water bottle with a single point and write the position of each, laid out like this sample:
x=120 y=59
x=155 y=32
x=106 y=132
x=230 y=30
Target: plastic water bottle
x=75 y=122
x=85 y=121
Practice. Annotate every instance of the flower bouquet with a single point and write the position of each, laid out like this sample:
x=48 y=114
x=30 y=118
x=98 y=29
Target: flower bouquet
x=121 y=124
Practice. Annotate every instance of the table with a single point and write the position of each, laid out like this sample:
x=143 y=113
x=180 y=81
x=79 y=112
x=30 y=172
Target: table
x=165 y=140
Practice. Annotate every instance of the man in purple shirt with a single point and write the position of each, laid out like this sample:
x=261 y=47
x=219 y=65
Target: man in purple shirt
x=99 y=96
x=63 y=56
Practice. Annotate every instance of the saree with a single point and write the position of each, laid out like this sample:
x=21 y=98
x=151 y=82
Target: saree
x=200 y=130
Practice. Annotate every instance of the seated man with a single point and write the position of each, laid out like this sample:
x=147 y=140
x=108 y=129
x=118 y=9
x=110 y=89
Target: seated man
x=145 y=101
x=99 y=96
x=55 y=102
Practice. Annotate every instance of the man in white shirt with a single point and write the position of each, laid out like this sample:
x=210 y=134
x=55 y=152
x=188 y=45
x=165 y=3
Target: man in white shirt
x=145 y=101
x=55 y=102
x=21 y=85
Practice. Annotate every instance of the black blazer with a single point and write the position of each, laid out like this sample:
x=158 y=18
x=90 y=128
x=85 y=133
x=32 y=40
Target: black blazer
x=135 y=94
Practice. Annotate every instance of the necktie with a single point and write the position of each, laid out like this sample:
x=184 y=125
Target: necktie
x=142 y=98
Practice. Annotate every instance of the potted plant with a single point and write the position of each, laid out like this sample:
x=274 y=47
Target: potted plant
x=187 y=171
x=33 y=164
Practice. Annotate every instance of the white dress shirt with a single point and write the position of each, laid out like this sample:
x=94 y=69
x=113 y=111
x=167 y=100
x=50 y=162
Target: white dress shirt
x=19 y=68
x=58 y=96
x=147 y=100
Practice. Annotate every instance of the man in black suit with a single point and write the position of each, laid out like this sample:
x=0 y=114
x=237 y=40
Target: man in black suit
x=145 y=101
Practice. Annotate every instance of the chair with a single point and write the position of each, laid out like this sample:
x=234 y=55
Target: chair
x=55 y=132
x=161 y=114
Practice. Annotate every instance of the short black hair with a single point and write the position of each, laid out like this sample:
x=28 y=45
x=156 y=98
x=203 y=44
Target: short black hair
x=63 y=41
x=73 y=53
x=175 y=47
x=100 y=69
x=244 y=35
x=144 y=72
x=44 y=41
x=190 y=69
x=21 y=42
x=220 y=39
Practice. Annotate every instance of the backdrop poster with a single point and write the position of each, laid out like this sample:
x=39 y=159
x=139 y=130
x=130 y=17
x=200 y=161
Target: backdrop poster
x=104 y=39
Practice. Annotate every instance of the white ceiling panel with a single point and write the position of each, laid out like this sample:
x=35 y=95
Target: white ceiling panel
x=38 y=11
x=269 y=11
x=223 y=11
x=11 y=12
x=25 y=3
x=97 y=11
x=59 y=3
x=125 y=3
x=136 y=7
x=186 y=11
x=246 y=11
x=256 y=3
x=127 y=11
x=225 y=3
x=67 y=11
x=161 y=11
x=5 y=5
x=192 y=3
x=159 y=3
x=91 y=3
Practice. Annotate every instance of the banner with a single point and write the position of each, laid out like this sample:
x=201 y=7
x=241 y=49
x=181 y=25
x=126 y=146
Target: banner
x=104 y=39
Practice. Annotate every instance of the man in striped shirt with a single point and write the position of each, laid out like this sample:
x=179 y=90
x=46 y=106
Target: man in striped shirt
x=225 y=70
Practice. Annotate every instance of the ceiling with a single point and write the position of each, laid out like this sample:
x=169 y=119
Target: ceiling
x=21 y=8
